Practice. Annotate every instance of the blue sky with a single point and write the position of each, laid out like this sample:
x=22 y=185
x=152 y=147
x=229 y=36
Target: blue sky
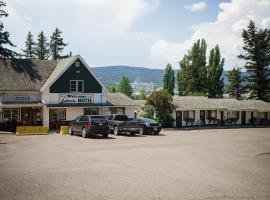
x=138 y=32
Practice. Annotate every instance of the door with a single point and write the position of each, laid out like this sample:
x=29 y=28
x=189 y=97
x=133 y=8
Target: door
x=26 y=116
x=252 y=118
x=202 y=116
x=178 y=119
x=243 y=117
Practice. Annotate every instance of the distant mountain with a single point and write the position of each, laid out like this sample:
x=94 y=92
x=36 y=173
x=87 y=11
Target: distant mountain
x=112 y=74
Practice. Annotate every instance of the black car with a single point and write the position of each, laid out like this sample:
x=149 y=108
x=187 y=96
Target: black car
x=89 y=125
x=150 y=126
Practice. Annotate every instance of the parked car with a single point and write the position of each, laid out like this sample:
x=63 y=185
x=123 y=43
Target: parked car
x=122 y=124
x=86 y=125
x=150 y=126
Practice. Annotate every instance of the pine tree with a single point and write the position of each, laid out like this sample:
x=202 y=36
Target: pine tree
x=29 y=51
x=215 y=70
x=125 y=87
x=4 y=37
x=257 y=56
x=169 y=79
x=42 y=47
x=235 y=87
x=57 y=45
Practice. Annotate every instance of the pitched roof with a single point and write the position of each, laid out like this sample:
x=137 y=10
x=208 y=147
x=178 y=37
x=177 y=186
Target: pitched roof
x=59 y=68
x=119 y=99
x=24 y=74
x=204 y=103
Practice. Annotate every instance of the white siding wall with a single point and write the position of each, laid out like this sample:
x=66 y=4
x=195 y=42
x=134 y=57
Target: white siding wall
x=72 y=113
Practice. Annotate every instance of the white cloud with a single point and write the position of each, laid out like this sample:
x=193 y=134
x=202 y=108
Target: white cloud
x=224 y=31
x=93 y=28
x=201 y=5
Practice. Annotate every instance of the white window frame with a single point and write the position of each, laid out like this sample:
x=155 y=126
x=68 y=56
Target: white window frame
x=77 y=81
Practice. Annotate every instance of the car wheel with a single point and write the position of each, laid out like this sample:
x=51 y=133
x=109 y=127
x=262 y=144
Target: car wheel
x=84 y=134
x=70 y=131
x=105 y=135
x=115 y=131
x=156 y=133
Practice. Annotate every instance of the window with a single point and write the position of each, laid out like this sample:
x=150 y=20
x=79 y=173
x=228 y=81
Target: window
x=76 y=86
x=211 y=114
x=11 y=115
x=83 y=119
x=91 y=111
x=77 y=64
x=117 y=110
x=262 y=115
x=189 y=114
x=233 y=115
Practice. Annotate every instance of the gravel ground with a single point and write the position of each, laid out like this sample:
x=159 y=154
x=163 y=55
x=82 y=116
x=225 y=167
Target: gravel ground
x=198 y=164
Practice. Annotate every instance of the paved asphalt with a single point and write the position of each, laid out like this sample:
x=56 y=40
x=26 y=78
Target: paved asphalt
x=200 y=164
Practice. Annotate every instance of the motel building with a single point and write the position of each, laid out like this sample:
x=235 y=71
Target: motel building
x=51 y=93
x=203 y=111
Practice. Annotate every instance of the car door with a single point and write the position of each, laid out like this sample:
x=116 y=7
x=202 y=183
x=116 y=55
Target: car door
x=76 y=124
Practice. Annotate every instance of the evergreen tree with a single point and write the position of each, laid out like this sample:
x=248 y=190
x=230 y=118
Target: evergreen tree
x=125 y=87
x=57 y=45
x=42 y=47
x=169 y=79
x=257 y=56
x=4 y=37
x=29 y=51
x=214 y=77
x=235 y=87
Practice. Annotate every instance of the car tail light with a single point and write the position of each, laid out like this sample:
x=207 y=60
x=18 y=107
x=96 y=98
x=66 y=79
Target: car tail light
x=90 y=125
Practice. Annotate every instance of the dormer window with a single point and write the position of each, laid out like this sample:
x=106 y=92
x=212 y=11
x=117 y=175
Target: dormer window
x=77 y=64
x=76 y=86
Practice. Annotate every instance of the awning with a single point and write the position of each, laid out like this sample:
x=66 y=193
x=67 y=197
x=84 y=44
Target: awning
x=63 y=105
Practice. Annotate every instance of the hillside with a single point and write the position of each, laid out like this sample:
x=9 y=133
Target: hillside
x=112 y=74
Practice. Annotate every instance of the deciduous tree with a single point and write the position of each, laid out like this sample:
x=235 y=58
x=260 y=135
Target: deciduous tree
x=125 y=87
x=169 y=79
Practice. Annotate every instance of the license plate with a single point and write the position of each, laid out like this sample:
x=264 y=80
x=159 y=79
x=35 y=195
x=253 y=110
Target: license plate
x=155 y=129
x=133 y=129
x=100 y=124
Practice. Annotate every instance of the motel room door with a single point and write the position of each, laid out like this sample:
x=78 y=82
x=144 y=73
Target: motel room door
x=243 y=117
x=178 y=119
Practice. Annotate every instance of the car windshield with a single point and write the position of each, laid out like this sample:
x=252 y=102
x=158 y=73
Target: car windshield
x=95 y=117
x=121 y=118
x=147 y=120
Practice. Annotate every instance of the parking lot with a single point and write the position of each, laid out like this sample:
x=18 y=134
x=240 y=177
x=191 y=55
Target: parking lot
x=197 y=164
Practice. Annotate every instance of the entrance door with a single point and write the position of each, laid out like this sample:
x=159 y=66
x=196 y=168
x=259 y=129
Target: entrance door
x=202 y=116
x=251 y=118
x=178 y=119
x=243 y=117
x=26 y=116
